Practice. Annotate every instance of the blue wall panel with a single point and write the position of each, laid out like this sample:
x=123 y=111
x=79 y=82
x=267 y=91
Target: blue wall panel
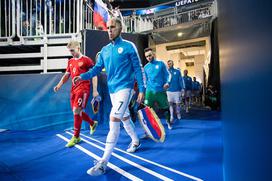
x=28 y=102
x=246 y=69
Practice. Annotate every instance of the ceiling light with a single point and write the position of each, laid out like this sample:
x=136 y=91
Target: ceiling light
x=180 y=34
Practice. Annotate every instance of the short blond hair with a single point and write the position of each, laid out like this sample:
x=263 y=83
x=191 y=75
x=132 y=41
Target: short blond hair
x=73 y=44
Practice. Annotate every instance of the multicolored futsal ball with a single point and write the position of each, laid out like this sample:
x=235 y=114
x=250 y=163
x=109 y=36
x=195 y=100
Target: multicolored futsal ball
x=151 y=124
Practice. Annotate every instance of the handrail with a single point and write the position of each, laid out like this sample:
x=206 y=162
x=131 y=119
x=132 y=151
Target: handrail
x=39 y=19
x=7 y=20
x=147 y=23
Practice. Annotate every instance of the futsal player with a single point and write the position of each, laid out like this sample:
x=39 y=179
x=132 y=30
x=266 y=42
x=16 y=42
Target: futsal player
x=80 y=92
x=121 y=60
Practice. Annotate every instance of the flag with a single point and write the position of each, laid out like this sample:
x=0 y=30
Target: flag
x=151 y=124
x=100 y=15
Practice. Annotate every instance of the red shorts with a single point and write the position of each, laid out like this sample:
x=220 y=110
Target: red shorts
x=79 y=98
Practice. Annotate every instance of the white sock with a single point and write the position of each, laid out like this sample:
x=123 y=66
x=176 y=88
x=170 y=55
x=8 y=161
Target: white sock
x=171 y=108
x=129 y=127
x=187 y=104
x=178 y=110
x=112 y=139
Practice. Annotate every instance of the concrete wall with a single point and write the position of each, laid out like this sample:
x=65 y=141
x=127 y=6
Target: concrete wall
x=179 y=61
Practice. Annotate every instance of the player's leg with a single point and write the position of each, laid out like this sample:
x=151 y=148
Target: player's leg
x=198 y=97
x=100 y=166
x=93 y=124
x=170 y=98
x=177 y=101
x=150 y=102
x=77 y=120
x=149 y=99
x=120 y=101
x=130 y=129
x=187 y=100
x=163 y=105
x=183 y=99
x=171 y=109
x=84 y=95
x=77 y=126
x=192 y=97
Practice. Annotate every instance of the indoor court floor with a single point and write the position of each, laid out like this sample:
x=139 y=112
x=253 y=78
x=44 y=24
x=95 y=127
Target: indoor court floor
x=193 y=150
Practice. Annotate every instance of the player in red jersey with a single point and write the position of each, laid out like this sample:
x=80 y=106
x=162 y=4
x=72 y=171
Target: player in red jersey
x=79 y=92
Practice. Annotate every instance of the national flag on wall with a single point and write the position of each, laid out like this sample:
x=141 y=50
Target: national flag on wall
x=101 y=15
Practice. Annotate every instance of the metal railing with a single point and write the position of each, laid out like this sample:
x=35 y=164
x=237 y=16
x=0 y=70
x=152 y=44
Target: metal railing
x=144 y=23
x=183 y=17
x=42 y=18
x=57 y=18
x=7 y=20
x=137 y=24
x=51 y=17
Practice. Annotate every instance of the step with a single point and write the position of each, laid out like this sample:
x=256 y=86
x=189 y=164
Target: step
x=20 y=55
x=55 y=63
x=56 y=51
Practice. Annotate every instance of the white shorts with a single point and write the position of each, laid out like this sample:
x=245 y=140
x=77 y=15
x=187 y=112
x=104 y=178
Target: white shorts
x=174 y=97
x=188 y=93
x=195 y=93
x=120 y=101
x=182 y=93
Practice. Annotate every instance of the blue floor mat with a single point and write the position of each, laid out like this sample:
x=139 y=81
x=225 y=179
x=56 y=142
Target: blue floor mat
x=192 y=150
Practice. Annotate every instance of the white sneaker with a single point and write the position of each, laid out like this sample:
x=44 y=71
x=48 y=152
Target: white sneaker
x=169 y=125
x=99 y=168
x=133 y=147
x=144 y=136
x=178 y=116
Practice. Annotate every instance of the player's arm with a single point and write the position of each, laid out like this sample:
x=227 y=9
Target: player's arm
x=92 y=72
x=62 y=81
x=94 y=81
x=191 y=83
x=181 y=81
x=167 y=77
x=139 y=72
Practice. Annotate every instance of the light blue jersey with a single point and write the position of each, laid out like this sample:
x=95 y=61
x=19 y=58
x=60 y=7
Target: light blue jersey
x=156 y=76
x=195 y=85
x=176 y=83
x=188 y=82
x=122 y=63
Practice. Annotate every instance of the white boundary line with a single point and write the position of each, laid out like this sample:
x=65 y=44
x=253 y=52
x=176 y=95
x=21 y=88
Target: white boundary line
x=147 y=170
x=112 y=166
x=149 y=161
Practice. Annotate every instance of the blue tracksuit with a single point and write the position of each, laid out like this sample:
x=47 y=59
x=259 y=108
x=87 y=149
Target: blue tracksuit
x=156 y=76
x=122 y=63
x=187 y=82
x=195 y=85
x=176 y=83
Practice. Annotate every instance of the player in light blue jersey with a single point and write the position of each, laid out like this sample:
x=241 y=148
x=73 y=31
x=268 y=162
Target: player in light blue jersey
x=122 y=63
x=196 y=87
x=174 y=91
x=157 y=82
x=188 y=89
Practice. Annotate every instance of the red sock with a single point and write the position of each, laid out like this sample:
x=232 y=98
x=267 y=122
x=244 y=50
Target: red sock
x=86 y=118
x=77 y=125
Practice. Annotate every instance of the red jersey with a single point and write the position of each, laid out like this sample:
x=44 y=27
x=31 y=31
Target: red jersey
x=78 y=66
